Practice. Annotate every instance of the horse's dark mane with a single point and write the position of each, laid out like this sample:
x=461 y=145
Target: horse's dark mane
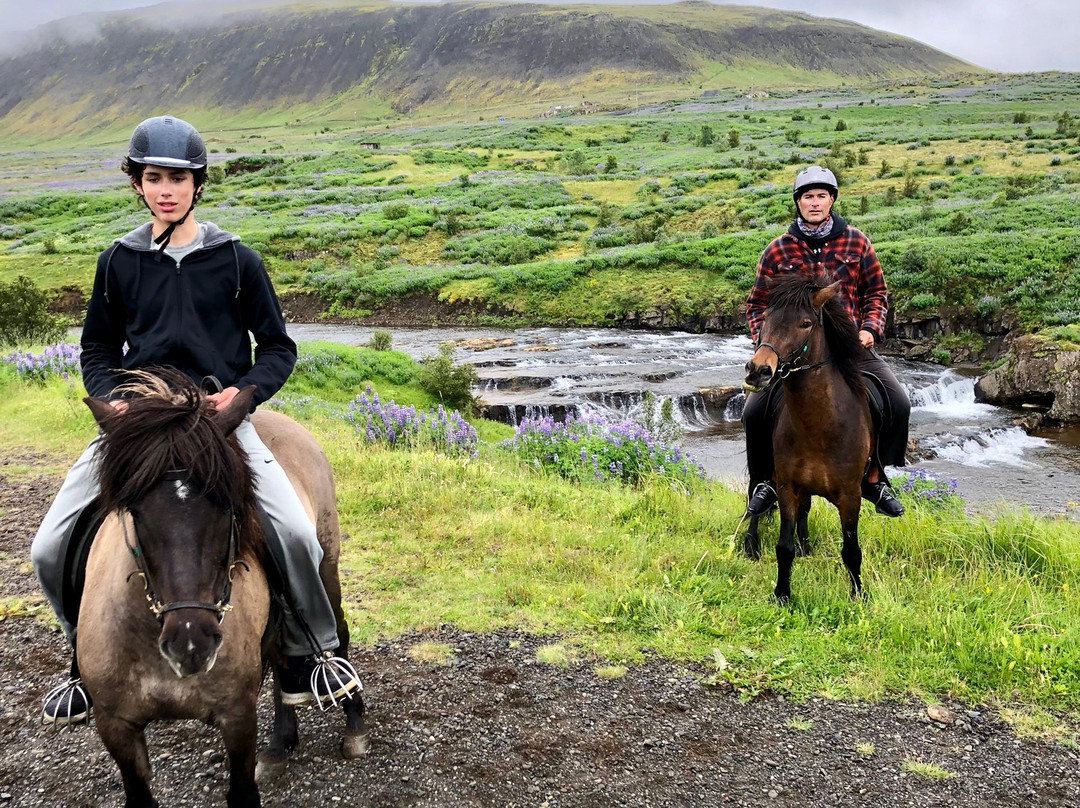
x=170 y=426
x=841 y=335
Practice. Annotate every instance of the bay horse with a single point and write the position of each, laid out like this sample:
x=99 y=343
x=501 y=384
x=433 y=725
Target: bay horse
x=175 y=616
x=822 y=437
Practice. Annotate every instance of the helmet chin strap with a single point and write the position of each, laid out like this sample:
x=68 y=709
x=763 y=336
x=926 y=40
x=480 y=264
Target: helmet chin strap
x=163 y=239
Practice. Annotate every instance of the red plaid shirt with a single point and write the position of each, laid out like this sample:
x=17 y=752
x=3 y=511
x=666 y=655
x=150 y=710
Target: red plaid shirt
x=846 y=256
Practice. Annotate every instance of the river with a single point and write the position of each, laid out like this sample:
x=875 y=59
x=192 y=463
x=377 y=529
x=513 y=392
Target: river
x=550 y=370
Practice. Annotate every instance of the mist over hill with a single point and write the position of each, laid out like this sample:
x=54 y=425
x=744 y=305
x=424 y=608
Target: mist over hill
x=95 y=69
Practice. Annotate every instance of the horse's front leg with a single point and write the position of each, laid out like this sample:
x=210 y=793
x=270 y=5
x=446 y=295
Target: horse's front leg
x=802 y=530
x=785 y=544
x=126 y=743
x=239 y=728
x=850 y=551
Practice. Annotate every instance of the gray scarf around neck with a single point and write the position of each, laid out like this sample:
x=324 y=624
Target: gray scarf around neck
x=819 y=232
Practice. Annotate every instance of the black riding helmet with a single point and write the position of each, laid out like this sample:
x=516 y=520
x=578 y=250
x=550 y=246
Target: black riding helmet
x=172 y=143
x=167 y=141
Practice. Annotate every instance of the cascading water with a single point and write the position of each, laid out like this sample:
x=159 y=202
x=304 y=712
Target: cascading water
x=546 y=371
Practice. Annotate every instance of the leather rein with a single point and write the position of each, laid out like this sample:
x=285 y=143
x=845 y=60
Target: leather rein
x=157 y=607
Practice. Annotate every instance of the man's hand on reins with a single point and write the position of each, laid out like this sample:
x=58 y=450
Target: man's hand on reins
x=866 y=338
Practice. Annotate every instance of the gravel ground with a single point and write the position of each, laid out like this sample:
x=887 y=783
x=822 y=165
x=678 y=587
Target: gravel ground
x=496 y=727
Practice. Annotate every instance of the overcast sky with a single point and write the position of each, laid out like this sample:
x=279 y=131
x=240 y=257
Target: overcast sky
x=1005 y=35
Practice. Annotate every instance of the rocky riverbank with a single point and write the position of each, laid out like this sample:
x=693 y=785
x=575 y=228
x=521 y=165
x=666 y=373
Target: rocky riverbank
x=1035 y=373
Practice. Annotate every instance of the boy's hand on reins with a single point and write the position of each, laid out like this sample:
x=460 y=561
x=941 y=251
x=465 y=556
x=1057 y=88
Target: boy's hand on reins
x=221 y=400
x=866 y=339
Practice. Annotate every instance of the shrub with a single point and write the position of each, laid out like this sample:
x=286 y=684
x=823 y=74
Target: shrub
x=706 y=138
x=453 y=384
x=958 y=223
x=605 y=214
x=924 y=300
x=396 y=210
x=380 y=341
x=575 y=163
x=24 y=314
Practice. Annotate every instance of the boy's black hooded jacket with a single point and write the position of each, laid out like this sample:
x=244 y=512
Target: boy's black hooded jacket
x=194 y=315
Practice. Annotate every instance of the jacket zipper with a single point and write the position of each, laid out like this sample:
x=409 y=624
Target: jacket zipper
x=179 y=307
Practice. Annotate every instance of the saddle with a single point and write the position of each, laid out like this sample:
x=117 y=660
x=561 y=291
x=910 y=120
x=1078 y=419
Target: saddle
x=876 y=396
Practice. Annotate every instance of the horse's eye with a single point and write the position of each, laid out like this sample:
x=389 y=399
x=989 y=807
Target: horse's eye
x=807 y=323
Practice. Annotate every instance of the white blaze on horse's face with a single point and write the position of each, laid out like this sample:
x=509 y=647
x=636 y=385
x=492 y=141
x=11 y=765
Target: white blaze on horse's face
x=182 y=490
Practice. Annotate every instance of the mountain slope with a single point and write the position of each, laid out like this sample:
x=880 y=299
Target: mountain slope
x=94 y=69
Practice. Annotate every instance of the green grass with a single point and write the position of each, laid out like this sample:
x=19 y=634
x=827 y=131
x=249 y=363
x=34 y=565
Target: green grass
x=978 y=610
x=926 y=771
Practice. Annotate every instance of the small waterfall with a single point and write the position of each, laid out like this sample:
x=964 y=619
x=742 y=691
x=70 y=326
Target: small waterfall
x=734 y=408
x=1004 y=446
x=952 y=395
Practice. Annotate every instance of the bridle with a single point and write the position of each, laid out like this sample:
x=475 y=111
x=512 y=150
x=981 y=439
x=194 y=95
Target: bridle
x=157 y=607
x=795 y=360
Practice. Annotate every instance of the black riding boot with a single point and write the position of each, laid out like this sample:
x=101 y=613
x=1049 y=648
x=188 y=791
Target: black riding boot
x=885 y=501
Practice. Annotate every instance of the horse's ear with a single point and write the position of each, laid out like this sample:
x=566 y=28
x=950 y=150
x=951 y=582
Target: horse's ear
x=822 y=296
x=103 y=411
x=236 y=411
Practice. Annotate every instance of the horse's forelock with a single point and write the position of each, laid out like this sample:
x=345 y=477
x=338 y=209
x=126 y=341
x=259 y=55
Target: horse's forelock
x=171 y=427
x=793 y=290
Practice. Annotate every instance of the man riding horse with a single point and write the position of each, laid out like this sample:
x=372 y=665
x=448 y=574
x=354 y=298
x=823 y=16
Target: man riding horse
x=182 y=293
x=819 y=242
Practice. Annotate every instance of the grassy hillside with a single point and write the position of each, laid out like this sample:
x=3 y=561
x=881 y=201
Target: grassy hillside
x=316 y=61
x=968 y=190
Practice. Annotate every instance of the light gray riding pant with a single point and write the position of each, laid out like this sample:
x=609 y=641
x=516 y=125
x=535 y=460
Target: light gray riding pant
x=299 y=557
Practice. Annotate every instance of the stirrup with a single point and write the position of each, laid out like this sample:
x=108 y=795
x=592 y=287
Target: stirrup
x=334 y=681
x=762 y=499
x=62 y=699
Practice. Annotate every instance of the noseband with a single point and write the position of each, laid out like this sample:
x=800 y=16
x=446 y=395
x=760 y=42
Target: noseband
x=157 y=607
x=795 y=360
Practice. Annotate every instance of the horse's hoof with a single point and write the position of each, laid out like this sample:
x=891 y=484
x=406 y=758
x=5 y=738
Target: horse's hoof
x=802 y=550
x=355 y=745
x=267 y=771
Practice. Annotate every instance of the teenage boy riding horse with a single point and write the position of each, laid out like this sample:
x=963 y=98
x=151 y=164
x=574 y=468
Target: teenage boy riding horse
x=821 y=242
x=186 y=294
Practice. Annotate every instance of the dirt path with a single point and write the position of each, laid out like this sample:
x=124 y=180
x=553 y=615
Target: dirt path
x=495 y=727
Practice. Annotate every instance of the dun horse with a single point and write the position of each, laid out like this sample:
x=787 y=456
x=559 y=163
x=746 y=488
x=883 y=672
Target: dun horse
x=823 y=428
x=176 y=606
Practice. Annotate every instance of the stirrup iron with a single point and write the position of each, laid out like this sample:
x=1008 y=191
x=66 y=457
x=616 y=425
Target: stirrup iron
x=64 y=696
x=334 y=680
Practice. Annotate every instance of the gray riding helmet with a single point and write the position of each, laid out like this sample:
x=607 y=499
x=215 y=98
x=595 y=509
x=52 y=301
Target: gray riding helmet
x=167 y=141
x=815 y=177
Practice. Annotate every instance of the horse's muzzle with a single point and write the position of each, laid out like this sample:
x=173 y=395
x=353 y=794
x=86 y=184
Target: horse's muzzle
x=758 y=376
x=189 y=641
